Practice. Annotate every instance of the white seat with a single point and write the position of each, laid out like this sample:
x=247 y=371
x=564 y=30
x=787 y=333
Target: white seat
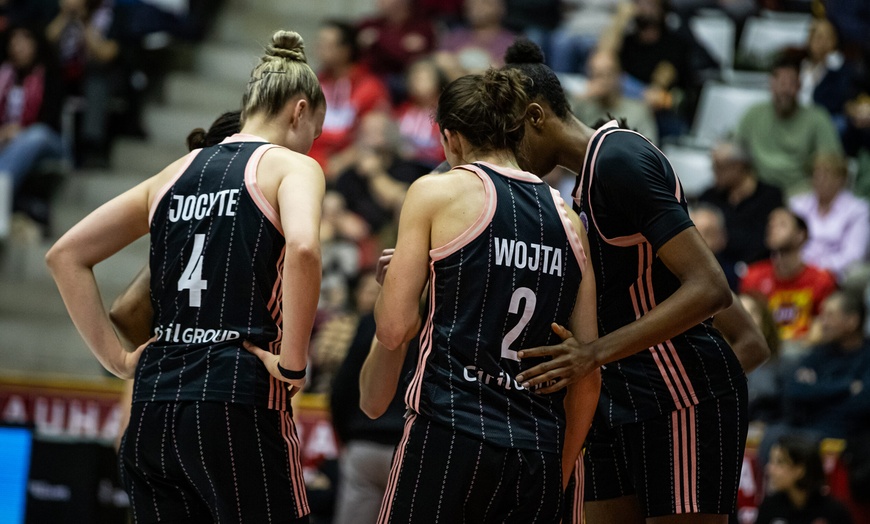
x=763 y=37
x=721 y=107
x=716 y=32
x=692 y=165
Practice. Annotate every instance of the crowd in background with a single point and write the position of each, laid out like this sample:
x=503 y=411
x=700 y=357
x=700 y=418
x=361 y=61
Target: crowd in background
x=786 y=214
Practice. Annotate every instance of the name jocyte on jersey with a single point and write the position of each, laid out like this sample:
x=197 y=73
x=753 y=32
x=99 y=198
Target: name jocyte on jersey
x=534 y=257
x=178 y=333
x=197 y=207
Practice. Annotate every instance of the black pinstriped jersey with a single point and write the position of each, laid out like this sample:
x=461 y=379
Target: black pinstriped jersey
x=217 y=253
x=632 y=202
x=496 y=289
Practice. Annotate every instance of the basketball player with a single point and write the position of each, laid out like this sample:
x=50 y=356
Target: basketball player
x=673 y=399
x=504 y=258
x=234 y=258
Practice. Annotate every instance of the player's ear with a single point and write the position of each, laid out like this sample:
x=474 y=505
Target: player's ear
x=296 y=109
x=535 y=115
x=454 y=144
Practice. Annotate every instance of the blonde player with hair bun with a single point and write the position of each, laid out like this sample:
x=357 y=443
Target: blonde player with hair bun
x=235 y=278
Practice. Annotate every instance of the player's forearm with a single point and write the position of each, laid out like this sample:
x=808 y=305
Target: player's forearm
x=79 y=291
x=581 y=401
x=302 y=275
x=397 y=323
x=131 y=312
x=694 y=302
x=379 y=378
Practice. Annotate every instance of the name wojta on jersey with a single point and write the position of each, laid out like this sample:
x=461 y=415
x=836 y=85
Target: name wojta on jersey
x=534 y=257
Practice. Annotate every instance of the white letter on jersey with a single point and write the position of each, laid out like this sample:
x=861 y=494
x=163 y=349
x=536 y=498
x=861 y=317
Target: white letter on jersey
x=528 y=295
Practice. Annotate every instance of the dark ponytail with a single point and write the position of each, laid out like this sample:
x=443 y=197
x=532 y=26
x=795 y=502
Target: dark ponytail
x=488 y=109
x=542 y=84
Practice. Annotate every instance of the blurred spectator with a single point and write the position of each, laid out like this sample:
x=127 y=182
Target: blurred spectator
x=857 y=138
x=535 y=19
x=482 y=42
x=710 y=223
x=351 y=91
x=375 y=185
x=329 y=345
x=839 y=222
x=765 y=383
x=796 y=482
x=603 y=98
x=392 y=39
x=745 y=202
x=421 y=137
x=784 y=136
x=826 y=78
x=369 y=444
x=660 y=57
x=575 y=38
x=794 y=291
x=30 y=104
x=86 y=41
x=828 y=395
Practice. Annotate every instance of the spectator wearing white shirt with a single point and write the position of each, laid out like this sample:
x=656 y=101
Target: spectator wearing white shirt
x=838 y=221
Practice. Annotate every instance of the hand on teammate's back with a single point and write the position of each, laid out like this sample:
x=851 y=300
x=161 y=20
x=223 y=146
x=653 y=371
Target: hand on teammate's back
x=383 y=262
x=571 y=360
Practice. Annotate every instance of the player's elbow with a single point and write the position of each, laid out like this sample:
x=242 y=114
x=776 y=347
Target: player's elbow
x=392 y=333
x=304 y=252
x=58 y=257
x=716 y=295
x=371 y=408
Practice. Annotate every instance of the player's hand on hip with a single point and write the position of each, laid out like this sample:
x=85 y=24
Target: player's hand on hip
x=270 y=360
x=130 y=359
x=571 y=361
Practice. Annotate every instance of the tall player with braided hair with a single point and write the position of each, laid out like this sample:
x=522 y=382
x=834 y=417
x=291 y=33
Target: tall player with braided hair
x=235 y=278
x=503 y=258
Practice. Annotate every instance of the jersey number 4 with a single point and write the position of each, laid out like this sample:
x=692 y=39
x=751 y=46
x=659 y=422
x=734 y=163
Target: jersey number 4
x=528 y=297
x=191 y=277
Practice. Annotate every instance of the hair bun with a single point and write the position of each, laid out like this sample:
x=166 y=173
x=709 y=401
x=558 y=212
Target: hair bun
x=287 y=44
x=524 y=51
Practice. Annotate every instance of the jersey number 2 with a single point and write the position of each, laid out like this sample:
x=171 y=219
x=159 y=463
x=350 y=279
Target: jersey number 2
x=191 y=277
x=529 y=299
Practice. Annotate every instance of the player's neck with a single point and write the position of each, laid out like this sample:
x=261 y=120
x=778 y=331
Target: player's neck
x=573 y=149
x=266 y=129
x=498 y=158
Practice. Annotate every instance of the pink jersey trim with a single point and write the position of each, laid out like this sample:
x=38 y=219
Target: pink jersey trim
x=412 y=396
x=243 y=137
x=573 y=238
x=479 y=225
x=288 y=431
x=685 y=461
x=163 y=190
x=395 y=470
x=254 y=189
x=277 y=388
x=512 y=173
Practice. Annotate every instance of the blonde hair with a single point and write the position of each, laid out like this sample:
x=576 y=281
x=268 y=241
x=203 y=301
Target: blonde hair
x=281 y=74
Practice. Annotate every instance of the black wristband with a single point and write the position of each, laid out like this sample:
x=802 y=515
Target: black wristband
x=289 y=374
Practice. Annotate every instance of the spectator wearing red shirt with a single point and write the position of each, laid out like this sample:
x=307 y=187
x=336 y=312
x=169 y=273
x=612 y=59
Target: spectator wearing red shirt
x=793 y=289
x=393 y=39
x=421 y=137
x=351 y=91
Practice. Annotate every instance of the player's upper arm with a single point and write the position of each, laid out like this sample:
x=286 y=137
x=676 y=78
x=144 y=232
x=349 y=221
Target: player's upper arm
x=300 y=199
x=584 y=318
x=397 y=310
x=642 y=190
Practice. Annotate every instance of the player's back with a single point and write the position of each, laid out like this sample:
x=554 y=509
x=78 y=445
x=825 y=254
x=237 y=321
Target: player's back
x=216 y=263
x=494 y=289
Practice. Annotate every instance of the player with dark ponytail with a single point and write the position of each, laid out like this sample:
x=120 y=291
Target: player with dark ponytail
x=503 y=258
